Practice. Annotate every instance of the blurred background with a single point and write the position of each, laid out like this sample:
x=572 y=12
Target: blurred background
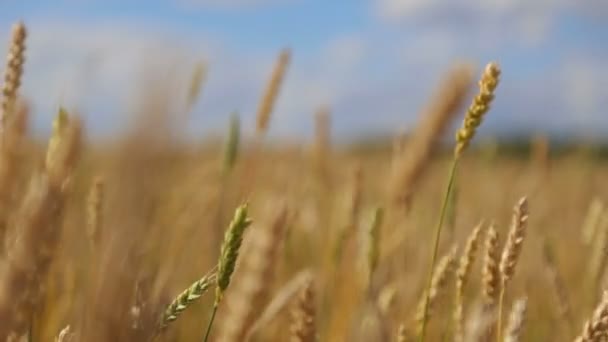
x=373 y=62
x=156 y=210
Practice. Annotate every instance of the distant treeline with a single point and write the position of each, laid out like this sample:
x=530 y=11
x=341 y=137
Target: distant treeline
x=518 y=147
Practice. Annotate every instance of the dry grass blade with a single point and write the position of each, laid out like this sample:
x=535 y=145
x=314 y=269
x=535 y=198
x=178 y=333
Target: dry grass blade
x=434 y=121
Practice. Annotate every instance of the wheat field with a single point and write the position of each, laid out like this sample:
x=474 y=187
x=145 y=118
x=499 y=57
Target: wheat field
x=422 y=238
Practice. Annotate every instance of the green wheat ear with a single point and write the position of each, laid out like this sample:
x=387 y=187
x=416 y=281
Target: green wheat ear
x=230 y=250
x=186 y=298
x=374 y=240
x=232 y=145
x=228 y=256
x=199 y=76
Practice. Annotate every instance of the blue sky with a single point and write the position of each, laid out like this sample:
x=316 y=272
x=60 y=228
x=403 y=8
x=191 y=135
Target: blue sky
x=375 y=63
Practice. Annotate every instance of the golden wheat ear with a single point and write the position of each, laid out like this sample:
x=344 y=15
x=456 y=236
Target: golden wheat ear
x=478 y=109
x=517 y=318
x=13 y=72
x=39 y=219
x=462 y=276
x=272 y=92
x=595 y=329
x=303 y=326
x=444 y=269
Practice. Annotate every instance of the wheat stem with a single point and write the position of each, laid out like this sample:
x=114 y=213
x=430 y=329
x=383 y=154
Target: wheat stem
x=501 y=300
x=213 y=313
x=451 y=178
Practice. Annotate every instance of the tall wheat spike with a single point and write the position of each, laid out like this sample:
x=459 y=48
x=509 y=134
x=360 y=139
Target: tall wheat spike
x=511 y=252
x=199 y=76
x=322 y=145
x=558 y=287
x=228 y=258
x=373 y=253
x=491 y=275
x=95 y=212
x=515 y=239
x=592 y=221
x=13 y=72
x=478 y=109
x=517 y=319
x=280 y=301
x=303 y=327
x=39 y=222
x=186 y=299
x=464 y=135
x=440 y=279
x=462 y=274
x=272 y=91
x=13 y=119
x=596 y=328
x=254 y=280
x=231 y=148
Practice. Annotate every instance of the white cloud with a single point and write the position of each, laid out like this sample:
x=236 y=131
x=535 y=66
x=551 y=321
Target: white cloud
x=584 y=81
